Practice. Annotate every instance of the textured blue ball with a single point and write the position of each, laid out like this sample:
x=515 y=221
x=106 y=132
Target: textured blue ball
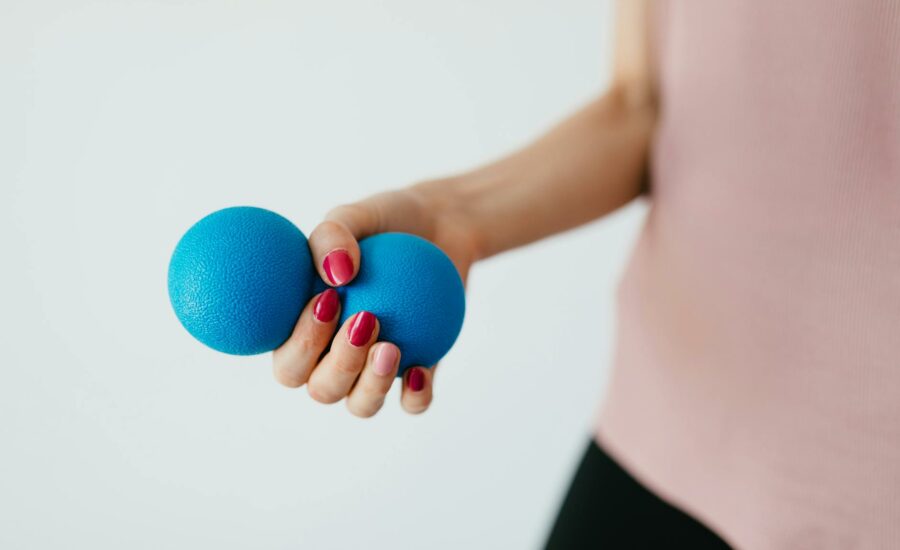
x=239 y=278
x=414 y=290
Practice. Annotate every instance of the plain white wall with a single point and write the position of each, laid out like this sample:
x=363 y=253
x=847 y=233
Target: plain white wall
x=121 y=123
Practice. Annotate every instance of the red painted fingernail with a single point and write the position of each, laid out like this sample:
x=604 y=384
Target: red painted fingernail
x=361 y=328
x=338 y=267
x=326 y=306
x=416 y=380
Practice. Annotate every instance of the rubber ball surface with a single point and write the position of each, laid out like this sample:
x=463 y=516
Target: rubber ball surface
x=239 y=278
x=415 y=291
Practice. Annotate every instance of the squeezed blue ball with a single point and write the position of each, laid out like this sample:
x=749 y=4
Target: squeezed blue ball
x=239 y=278
x=414 y=290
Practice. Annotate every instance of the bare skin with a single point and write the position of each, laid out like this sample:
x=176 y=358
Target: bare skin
x=591 y=163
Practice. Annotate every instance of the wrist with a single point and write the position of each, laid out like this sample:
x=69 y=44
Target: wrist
x=448 y=202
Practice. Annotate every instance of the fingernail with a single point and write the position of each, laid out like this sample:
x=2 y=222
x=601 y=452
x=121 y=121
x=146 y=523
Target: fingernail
x=326 y=306
x=385 y=358
x=338 y=267
x=361 y=328
x=416 y=380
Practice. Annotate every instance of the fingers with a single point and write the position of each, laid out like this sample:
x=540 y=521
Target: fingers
x=355 y=366
x=335 y=374
x=295 y=359
x=417 y=389
x=367 y=396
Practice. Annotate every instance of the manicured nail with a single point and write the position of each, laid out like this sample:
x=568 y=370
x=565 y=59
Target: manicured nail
x=416 y=380
x=361 y=328
x=338 y=267
x=326 y=306
x=385 y=358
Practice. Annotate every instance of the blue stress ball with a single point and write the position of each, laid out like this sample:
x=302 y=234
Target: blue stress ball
x=414 y=290
x=239 y=278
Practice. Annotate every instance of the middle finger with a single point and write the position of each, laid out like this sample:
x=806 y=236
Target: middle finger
x=333 y=377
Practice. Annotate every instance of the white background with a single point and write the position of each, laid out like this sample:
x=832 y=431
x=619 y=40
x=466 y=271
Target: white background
x=121 y=123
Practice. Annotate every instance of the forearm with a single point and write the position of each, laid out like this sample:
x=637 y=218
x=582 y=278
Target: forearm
x=590 y=164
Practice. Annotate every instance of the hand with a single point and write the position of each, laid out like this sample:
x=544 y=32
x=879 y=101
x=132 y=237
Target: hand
x=357 y=366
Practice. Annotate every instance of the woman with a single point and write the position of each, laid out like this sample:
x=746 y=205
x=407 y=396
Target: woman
x=754 y=395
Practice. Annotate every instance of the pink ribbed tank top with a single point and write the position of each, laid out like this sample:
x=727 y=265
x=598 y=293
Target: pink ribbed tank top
x=756 y=379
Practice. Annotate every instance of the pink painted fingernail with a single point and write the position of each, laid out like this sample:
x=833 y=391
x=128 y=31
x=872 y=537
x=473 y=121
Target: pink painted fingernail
x=385 y=358
x=361 y=328
x=338 y=267
x=326 y=305
x=416 y=380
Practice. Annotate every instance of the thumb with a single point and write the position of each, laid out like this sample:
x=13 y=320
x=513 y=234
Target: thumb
x=333 y=242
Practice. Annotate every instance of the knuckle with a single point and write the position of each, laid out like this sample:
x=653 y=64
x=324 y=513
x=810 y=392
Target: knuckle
x=343 y=212
x=305 y=345
x=327 y=226
x=290 y=379
x=322 y=395
x=373 y=396
x=363 y=408
x=348 y=366
x=301 y=345
x=416 y=407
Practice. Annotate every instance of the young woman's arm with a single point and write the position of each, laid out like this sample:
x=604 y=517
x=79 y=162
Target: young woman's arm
x=590 y=164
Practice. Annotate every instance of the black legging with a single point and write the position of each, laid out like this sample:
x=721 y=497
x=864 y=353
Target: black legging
x=607 y=508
